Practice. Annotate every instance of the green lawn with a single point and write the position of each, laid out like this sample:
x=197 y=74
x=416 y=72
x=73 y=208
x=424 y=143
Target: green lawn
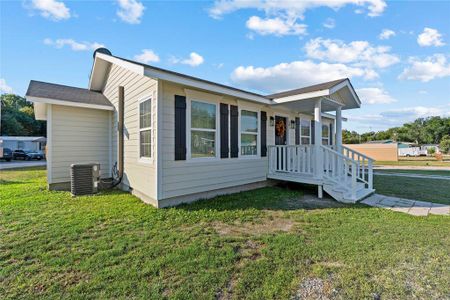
x=267 y=243
x=432 y=190
x=414 y=171
x=414 y=162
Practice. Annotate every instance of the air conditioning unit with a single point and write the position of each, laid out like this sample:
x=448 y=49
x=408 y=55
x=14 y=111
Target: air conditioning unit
x=84 y=179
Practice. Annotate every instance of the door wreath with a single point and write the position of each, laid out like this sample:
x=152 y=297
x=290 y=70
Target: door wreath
x=280 y=128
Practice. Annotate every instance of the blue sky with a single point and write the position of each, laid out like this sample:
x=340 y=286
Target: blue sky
x=397 y=54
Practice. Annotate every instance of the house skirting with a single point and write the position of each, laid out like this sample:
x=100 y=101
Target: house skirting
x=59 y=186
x=174 y=201
x=213 y=193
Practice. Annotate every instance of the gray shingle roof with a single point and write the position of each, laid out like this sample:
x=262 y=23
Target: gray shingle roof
x=308 y=89
x=66 y=93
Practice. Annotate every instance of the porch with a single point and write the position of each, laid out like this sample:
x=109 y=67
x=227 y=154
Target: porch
x=343 y=173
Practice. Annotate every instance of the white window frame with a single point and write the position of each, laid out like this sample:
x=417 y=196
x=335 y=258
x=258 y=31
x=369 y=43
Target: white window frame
x=329 y=133
x=305 y=136
x=197 y=96
x=258 y=133
x=141 y=159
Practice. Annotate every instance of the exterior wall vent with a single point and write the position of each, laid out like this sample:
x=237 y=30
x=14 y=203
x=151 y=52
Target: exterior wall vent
x=84 y=179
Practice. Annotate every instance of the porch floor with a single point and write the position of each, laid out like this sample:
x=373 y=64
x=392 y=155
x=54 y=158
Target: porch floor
x=295 y=177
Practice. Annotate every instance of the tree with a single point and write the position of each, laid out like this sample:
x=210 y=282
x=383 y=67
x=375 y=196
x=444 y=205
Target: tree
x=18 y=117
x=445 y=144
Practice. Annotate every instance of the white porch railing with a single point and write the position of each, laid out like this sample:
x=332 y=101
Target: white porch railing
x=296 y=159
x=343 y=169
x=340 y=169
x=364 y=169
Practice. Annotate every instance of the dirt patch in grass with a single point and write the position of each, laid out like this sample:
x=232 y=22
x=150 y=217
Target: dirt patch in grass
x=269 y=225
x=315 y=288
x=248 y=252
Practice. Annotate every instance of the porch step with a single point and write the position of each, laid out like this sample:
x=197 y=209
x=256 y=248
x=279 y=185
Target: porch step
x=343 y=193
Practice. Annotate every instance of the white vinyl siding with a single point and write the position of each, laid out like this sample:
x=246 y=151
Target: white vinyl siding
x=79 y=135
x=138 y=174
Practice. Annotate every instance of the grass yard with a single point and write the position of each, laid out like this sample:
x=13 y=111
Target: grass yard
x=414 y=162
x=416 y=171
x=263 y=244
x=432 y=190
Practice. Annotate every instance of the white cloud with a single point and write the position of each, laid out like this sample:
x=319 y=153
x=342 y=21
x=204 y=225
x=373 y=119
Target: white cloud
x=294 y=74
x=430 y=37
x=130 y=11
x=292 y=8
x=357 y=52
x=412 y=113
x=51 y=9
x=275 y=26
x=74 y=45
x=432 y=67
x=386 y=34
x=396 y=117
x=281 y=16
x=194 y=60
x=374 y=96
x=4 y=87
x=423 y=92
x=147 y=56
x=329 y=23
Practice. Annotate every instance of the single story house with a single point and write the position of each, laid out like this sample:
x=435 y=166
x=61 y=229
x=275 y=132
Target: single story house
x=178 y=138
x=31 y=143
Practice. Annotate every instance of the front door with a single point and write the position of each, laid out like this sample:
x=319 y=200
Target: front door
x=280 y=130
x=280 y=139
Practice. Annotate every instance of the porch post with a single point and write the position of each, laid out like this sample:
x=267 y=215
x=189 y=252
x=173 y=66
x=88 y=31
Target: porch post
x=318 y=139
x=339 y=129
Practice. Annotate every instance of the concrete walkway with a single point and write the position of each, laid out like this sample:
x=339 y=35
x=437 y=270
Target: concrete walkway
x=412 y=207
x=413 y=175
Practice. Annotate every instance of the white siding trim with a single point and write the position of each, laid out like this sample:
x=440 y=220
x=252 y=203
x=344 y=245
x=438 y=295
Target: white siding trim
x=159 y=129
x=49 y=157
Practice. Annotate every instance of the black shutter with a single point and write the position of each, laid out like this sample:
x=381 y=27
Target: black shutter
x=313 y=132
x=263 y=134
x=180 y=127
x=297 y=131
x=331 y=134
x=234 y=131
x=223 y=130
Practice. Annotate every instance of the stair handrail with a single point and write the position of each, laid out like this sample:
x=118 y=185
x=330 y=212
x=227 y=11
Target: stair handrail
x=361 y=158
x=339 y=170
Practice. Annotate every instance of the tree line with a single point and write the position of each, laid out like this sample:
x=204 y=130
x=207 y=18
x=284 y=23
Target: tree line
x=431 y=130
x=18 y=117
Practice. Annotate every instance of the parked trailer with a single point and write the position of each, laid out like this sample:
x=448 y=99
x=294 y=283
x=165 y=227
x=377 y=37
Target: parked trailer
x=412 y=151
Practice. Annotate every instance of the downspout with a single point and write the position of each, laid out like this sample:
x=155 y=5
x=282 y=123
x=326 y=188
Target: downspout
x=120 y=134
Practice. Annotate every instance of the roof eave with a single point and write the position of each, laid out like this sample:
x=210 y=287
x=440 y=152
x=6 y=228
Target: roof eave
x=67 y=103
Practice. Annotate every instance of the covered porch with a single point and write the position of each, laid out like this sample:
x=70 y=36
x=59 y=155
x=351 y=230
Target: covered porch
x=343 y=173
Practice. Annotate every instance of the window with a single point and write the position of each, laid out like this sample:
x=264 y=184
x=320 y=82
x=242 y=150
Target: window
x=249 y=133
x=203 y=129
x=20 y=145
x=145 y=128
x=305 y=132
x=325 y=134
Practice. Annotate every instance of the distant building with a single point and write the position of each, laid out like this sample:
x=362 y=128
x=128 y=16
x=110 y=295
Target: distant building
x=32 y=143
